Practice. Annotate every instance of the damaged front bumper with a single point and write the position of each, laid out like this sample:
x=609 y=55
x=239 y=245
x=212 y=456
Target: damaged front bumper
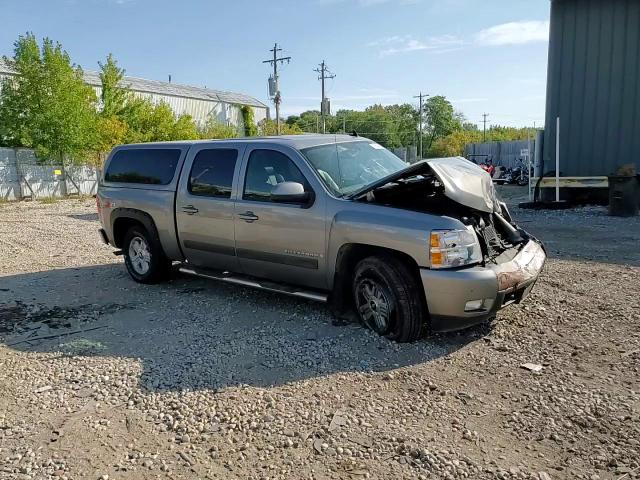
x=457 y=299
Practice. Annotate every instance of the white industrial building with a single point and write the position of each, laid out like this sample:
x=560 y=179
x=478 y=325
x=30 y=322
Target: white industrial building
x=199 y=102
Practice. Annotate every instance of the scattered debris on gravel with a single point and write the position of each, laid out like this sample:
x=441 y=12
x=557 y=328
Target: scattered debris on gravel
x=102 y=378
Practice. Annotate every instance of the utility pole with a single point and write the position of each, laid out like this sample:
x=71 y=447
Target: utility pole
x=484 y=127
x=276 y=93
x=529 y=160
x=420 y=96
x=325 y=109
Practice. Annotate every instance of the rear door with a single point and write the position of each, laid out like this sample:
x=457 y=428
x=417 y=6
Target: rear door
x=279 y=241
x=205 y=205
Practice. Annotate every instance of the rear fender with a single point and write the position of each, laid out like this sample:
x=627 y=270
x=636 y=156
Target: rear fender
x=119 y=214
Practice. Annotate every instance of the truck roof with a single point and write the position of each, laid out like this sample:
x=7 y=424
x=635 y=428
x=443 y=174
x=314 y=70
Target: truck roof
x=296 y=141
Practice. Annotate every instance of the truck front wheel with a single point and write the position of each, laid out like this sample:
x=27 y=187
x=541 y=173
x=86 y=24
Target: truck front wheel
x=388 y=299
x=143 y=256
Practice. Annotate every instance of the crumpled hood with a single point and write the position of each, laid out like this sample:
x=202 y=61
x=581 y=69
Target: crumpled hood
x=465 y=182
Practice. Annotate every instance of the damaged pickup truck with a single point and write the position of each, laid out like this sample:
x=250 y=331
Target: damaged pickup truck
x=335 y=218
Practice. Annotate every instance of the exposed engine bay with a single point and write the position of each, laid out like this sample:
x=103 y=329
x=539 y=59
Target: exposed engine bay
x=423 y=190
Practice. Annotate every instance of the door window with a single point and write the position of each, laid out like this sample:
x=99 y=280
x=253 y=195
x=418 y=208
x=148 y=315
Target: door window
x=212 y=172
x=267 y=168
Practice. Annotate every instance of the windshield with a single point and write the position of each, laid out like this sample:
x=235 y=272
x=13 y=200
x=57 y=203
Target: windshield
x=347 y=167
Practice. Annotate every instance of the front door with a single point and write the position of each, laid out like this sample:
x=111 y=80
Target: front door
x=279 y=241
x=205 y=205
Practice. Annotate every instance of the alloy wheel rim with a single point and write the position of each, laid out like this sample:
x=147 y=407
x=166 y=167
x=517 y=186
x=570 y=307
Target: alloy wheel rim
x=374 y=305
x=140 y=255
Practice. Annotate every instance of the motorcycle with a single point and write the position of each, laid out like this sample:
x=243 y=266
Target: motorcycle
x=517 y=176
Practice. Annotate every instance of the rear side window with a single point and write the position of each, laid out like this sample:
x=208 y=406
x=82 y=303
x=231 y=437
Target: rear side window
x=212 y=173
x=152 y=166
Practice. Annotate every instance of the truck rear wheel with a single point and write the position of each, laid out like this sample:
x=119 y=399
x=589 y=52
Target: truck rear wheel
x=143 y=256
x=388 y=299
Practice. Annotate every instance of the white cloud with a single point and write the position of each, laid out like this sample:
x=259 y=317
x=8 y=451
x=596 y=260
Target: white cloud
x=407 y=43
x=388 y=40
x=514 y=33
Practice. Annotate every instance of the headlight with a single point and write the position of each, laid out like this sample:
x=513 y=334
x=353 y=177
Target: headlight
x=454 y=248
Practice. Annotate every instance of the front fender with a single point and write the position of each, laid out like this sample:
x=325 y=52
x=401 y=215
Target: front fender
x=394 y=229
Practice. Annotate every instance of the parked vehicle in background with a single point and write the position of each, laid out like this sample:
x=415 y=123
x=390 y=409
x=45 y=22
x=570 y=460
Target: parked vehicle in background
x=333 y=218
x=518 y=175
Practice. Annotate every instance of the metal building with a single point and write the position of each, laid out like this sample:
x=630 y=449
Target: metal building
x=593 y=86
x=199 y=102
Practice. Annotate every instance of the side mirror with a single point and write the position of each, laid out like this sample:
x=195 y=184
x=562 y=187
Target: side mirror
x=289 y=192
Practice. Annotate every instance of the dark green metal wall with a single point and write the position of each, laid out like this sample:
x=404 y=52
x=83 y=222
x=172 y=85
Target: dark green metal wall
x=593 y=85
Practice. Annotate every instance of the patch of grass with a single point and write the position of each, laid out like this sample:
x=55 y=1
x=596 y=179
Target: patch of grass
x=48 y=200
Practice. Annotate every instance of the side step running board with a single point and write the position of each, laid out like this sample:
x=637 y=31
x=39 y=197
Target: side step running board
x=256 y=283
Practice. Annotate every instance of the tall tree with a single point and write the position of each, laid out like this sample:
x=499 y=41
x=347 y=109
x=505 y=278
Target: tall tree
x=113 y=95
x=440 y=119
x=47 y=106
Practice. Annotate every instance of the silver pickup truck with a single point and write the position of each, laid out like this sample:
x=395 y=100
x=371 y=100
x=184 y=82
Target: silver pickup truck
x=336 y=218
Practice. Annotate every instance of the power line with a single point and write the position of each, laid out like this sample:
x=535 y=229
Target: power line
x=276 y=89
x=324 y=104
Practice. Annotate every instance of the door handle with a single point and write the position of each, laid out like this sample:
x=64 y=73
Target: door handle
x=248 y=217
x=189 y=209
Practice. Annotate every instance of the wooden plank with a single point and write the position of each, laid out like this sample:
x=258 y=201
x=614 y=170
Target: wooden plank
x=573 y=182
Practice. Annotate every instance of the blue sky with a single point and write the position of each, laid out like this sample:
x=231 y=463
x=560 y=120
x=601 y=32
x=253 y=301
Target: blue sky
x=484 y=56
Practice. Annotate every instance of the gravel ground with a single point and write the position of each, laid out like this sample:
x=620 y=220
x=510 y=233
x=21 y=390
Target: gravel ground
x=104 y=378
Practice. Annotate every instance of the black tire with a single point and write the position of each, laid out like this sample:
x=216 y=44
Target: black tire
x=158 y=266
x=387 y=280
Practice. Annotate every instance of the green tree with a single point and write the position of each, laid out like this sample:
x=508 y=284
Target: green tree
x=147 y=122
x=453 y=144
x=111 y=127
x=47 y=106
x=143 y=120
x=269 y=127
x=439 y=119
x=184 y=128
x=308 y=121
x=248 y=119
x=113 y=96
x=214 y=129
x=111 y=131
x=466 y=125
x=497 y=133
